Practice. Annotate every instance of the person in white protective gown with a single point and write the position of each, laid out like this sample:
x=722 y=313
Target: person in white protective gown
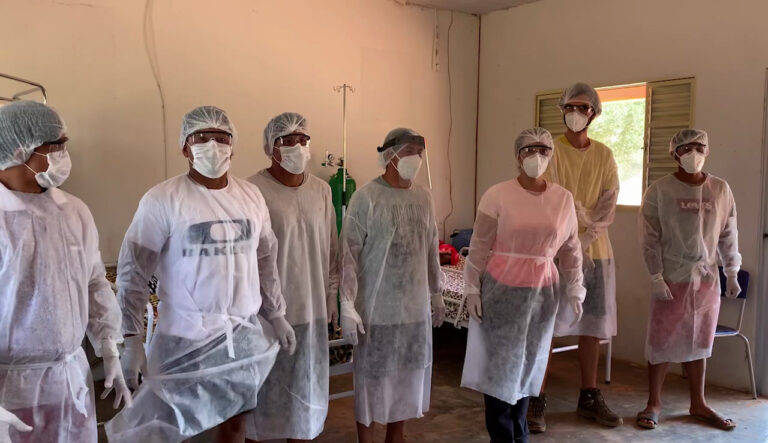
x=687 y=219
x=523 y=227
x=587 y=169
x=54 y=289
x=207 y=237
x=390 y=272
x=293 y=402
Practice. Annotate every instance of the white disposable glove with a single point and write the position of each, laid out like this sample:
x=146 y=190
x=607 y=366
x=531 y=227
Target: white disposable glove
x=113 y=375
x=438 y=310
x=133 y=361
x=351 y=323
x=582 y=215
x=475 y=307
x=732 y=287
x=659 y=288
x=8 y=420
x=285 y=334
x=332 y=308
x=586 y=239
x=578 y=310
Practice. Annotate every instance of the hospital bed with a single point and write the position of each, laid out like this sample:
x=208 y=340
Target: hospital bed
x=36 y=87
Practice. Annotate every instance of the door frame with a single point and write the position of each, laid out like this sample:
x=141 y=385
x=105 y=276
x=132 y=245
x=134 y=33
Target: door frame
x=761 y=336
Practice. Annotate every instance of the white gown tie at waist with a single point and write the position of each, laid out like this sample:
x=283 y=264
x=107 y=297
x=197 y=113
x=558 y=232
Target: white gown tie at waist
x=699 y=270
x=196 y=325
x=229 y=322
x=538 y=259
x=76 y=379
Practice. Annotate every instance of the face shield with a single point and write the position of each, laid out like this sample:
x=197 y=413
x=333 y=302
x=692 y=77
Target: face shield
x=406 y=152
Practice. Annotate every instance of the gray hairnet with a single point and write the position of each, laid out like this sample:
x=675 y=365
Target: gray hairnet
x=533 y=137
x=687 y=136
x=24 y=126
x=206 y=117
x=284 y=124
x=386 y=156
x=584 y=91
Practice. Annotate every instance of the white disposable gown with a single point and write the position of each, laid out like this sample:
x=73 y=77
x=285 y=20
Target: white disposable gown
x=390 y=268
x=53 y=292
x=517 y=239
x=214 y=254
x=683 y=229
x=293 y=402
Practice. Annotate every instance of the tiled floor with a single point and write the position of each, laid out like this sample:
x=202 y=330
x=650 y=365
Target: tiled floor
x=456 y=415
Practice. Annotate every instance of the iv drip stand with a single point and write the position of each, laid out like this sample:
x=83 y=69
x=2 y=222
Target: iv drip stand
x=343 y=88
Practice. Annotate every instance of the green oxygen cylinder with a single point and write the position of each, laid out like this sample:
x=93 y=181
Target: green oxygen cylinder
x=339 y=195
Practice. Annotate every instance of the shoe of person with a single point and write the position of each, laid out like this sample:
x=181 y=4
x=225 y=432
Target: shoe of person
x=592 y=405
x=535 y=417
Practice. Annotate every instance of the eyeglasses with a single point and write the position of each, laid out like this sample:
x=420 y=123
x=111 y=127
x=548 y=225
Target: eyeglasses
x=584 y=109
x=292 y=140
x=410 y=149
x=536 y=149
x=199 y=138
x=685 y=149
x=49 y=147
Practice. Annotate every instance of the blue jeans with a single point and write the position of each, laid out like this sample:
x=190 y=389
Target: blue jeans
x=506 y=423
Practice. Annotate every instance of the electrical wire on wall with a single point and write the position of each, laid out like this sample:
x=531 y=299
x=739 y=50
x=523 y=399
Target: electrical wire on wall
x=151 y=49
x=450 y=127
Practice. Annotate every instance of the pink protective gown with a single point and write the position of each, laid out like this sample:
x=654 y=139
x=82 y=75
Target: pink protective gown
x=518 y=236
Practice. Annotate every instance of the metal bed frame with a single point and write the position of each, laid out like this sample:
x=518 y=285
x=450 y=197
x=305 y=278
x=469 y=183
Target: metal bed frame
x=36 y=87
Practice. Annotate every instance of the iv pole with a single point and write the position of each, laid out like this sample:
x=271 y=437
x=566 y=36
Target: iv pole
x=343 y=88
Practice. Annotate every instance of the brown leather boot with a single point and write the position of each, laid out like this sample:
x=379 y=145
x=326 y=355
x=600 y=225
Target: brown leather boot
x=592 y=405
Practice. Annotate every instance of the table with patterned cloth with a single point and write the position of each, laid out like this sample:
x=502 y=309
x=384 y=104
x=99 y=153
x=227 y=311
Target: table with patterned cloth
x=453 y=294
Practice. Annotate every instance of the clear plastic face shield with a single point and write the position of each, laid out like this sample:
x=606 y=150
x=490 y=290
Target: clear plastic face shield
x=407 y=155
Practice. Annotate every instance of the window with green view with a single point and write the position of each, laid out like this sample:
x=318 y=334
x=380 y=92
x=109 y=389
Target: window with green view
x=621 y=127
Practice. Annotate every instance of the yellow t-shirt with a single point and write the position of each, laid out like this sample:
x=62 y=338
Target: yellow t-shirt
x=587 y=174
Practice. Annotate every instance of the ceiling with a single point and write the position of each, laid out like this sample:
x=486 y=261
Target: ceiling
x=478 y=7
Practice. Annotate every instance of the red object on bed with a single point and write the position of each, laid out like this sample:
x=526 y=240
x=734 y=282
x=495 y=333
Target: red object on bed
x=448 y=254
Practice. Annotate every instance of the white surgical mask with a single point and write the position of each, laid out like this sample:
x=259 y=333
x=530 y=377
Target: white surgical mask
x=211 y=159
x=294 y=159
x=408 y=167
x=576 y=121
x=59 y=166
x=535 y=165
x=692 y=162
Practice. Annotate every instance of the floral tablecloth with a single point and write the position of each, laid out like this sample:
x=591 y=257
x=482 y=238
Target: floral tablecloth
x=454 y=293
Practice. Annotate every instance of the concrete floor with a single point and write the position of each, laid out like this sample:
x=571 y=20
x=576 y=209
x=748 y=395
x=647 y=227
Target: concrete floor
x=456 y=415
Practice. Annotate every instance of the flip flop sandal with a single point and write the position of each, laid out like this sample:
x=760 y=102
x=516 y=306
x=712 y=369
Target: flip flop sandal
x=648 y=416
x=716 y=420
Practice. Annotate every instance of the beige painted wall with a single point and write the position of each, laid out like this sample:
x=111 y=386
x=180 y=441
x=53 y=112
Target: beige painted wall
x=552 y=43
x=255 y=59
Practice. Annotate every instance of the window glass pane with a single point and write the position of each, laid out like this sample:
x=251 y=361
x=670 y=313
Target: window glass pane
x=621 y=127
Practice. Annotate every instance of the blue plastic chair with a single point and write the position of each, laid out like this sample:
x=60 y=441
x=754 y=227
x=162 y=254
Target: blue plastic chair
x=728 y=331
